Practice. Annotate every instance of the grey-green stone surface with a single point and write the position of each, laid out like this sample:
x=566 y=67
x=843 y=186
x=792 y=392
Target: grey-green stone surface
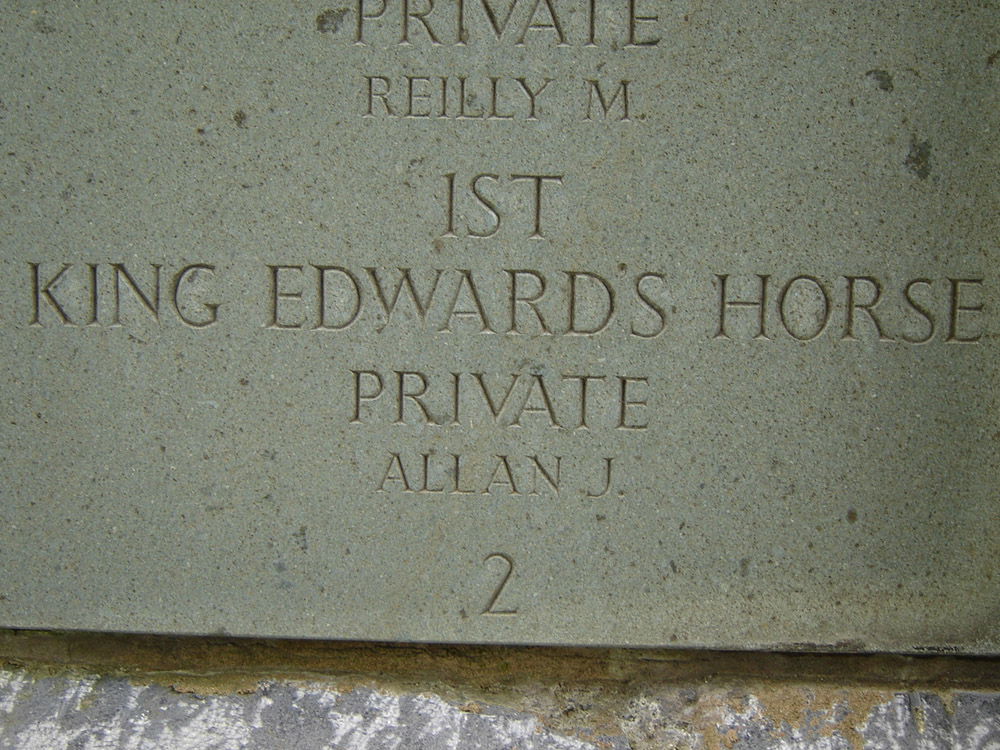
x=546 y=322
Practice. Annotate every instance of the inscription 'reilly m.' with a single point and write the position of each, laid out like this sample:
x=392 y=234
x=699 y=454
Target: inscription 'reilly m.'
x=479 y=98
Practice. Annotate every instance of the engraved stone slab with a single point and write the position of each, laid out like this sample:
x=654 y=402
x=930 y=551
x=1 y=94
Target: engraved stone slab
x=543 y=321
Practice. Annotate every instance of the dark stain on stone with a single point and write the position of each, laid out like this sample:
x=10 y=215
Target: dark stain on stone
x=240 y=118
x=44 y=28
x=329 y=20
x=744 y=567
x=852 y=515
x=993 y=59
x=300 y=539
x=882 y=77
x=918 y=160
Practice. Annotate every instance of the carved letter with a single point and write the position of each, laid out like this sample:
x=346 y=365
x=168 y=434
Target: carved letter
x=188 y=273
x=395 y=462
x=821 y=320
x=624 y=402
x=362 y=17
x=421 y=305
x=868 y=307
x=277 y=295
x=725 y=303
x=584 y=380
x=39 y=291
x=546 y=403
x=502 y=464
x=533 y=94
x=574 y=328
x=360 y=396
x=402 y=394
x=594 y=90
x=660 y=313
x=516 y=299
x=923 y=311
x=553 y=24
x=153 y=305
x=477 y=310
x=607 y=480
x=488 y=206
x=957 y=307
x=538 y=179
x=420 y=16
x=545 y=474
x=633 y=21
x=495 y=409
x=382 y=95
x=322 y=325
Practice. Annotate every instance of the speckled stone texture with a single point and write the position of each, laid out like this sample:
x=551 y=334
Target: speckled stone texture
x=104 y=713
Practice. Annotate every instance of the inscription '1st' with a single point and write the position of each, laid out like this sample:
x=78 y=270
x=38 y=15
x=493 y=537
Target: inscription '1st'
x=491 y=199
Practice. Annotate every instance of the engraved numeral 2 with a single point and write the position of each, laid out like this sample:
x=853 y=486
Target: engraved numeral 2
x=491 y=606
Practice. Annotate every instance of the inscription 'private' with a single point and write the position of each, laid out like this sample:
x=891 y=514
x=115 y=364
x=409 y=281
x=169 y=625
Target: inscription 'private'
x=589 y=23
x=570 y=401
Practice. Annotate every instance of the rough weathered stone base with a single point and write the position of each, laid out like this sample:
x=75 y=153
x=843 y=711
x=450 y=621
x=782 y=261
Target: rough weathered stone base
x=83 y=691
x=95 y=712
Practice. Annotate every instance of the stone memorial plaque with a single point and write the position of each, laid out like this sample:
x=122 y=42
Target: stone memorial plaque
x=622 y=322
